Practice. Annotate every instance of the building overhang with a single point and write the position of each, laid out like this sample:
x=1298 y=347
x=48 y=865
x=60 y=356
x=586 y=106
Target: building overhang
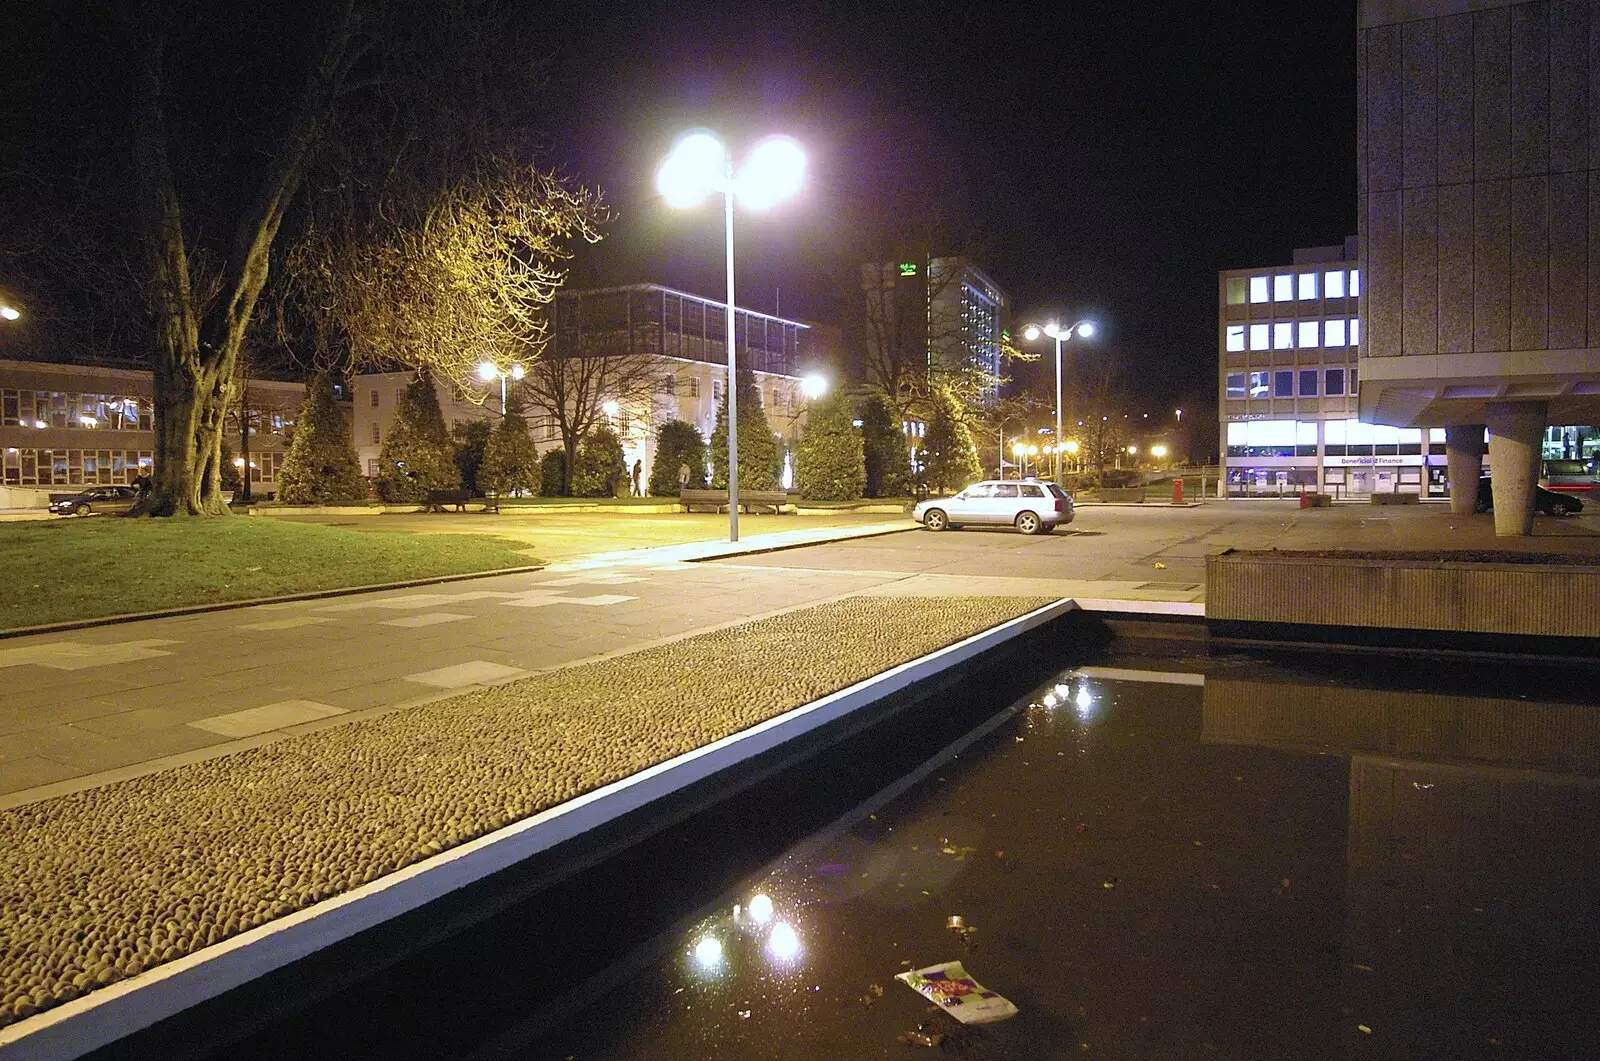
x=1439 y=390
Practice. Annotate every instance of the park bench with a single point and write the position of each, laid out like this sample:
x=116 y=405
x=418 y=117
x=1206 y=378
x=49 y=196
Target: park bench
x=717 y=500
x=438 y=499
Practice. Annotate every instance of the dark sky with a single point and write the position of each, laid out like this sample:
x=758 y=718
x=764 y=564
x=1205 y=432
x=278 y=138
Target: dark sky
x=1109 y=157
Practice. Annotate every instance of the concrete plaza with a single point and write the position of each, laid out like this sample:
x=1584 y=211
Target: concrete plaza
x=89 y=706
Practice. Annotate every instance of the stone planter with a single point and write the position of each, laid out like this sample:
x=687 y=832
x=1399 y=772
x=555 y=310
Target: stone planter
x=1121 y=495
x=1551 y=598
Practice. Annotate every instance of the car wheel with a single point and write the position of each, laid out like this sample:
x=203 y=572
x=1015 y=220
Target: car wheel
x=1029 y=523
x=935 y=519
x=1560 y=507
x=83 y=510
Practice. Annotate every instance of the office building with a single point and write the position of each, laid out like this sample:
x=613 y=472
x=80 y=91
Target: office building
x=1289 y=337
x=678 y=343
x=933 y=315
x=64 y=427
x=1478 y=160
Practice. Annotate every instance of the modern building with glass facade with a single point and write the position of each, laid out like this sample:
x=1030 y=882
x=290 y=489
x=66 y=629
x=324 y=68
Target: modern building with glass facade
x=1289 y=338
x=682 y=336
x=64 y=427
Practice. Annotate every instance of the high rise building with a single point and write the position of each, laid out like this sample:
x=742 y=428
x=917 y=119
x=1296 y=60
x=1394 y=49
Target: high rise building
x=934 y=315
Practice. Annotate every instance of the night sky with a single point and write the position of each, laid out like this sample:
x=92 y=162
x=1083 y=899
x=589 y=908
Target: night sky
x=1107 y=159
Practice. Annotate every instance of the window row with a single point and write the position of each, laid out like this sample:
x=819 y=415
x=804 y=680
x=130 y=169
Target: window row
x=1294 y=335
x=1340 y=438
x=1291 y=383
x=1294 y=287
x=73 y=467
x=116 y=412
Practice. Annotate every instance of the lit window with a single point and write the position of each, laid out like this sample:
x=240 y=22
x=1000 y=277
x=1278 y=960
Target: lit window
x=1308 y=286
x=1283 y=384
x=1335 y=382
x=1355 y=331
x=1258 y=336
x=1258 y=288
x=1236 y=290
x=1235 y=388
x=1283 y=335
x=1333 y=333
x=1237 y=434
x=1333 y=284
x=1235 y=337
x=1283 y=287
x=1308 y=335
x=1258 y=384
x=1355 y=283
x=1308 y=382
x=1305 y=434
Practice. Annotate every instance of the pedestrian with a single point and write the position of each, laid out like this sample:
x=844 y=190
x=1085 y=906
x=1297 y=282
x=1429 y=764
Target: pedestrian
x=683 y=476
x=638 y=469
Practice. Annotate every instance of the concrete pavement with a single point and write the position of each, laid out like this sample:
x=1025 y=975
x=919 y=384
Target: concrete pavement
x=94 y=705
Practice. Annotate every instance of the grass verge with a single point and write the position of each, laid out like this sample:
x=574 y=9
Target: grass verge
x=86 y=568
x=105 y=884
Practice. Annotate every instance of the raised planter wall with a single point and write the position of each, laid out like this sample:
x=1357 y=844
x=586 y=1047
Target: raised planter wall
x=1547 y=600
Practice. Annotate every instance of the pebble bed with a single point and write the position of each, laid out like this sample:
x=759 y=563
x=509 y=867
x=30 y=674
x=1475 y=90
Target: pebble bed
x=101 y=885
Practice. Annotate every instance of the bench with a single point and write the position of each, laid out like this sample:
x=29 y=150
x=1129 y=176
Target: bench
x=1387 y=498
x=438 y=499
x=717 y=500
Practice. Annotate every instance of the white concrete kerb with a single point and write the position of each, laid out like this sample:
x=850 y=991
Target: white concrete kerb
x=111 y=1013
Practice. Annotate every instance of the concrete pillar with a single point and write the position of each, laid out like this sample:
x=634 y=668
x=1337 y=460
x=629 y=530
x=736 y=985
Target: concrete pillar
x=1463 y=449
x=1516 y=434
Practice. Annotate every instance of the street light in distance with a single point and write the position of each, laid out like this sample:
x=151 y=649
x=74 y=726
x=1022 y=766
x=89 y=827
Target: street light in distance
x=1031 y=332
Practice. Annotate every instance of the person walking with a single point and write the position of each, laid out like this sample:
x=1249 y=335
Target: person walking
x=638 y=469
x=683 y=476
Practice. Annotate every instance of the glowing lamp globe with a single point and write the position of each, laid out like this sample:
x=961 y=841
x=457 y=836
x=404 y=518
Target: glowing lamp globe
x=487 y=371
x=775 y=171
x=697 y=164
x=1031 y=332
x=517 y=372
x=1086 y=329
x=813 y=386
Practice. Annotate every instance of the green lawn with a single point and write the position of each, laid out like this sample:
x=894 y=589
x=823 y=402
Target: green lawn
x=82 y=568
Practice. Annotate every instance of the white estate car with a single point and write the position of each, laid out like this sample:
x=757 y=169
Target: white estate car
x=1032 y=507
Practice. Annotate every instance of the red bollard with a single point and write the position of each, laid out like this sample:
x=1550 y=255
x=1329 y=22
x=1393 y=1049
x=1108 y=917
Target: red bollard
x=1177 y=491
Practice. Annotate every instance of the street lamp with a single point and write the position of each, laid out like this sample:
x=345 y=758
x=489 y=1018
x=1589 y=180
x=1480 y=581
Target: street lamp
x=1071 y=446
x=10 y=313
x=700 y=165
x=813 y=386
x=488 y=371
x=1085 y=328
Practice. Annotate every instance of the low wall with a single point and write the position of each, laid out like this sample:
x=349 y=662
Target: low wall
x=1544 y=599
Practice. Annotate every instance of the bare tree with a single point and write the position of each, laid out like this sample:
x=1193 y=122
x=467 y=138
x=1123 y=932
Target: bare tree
x=202 y=306
x=574 y=377
x=447 y=284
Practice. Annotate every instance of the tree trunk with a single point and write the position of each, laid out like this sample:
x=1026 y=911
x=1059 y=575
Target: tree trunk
x=189 y=411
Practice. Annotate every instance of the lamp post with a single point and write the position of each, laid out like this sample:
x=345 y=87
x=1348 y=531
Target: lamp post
x=488 y=370
x=698 y=166
x=1061 y=335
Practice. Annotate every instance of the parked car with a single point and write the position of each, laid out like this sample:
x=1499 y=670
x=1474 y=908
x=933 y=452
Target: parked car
x=96 y=499
x=1546 y=502
x=1031 y=507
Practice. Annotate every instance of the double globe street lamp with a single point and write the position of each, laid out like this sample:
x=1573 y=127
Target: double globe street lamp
x=700 y=165
x=488 y=371
x=1083 y=328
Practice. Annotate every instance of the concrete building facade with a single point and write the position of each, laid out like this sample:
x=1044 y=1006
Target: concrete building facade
x=1478 y=184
